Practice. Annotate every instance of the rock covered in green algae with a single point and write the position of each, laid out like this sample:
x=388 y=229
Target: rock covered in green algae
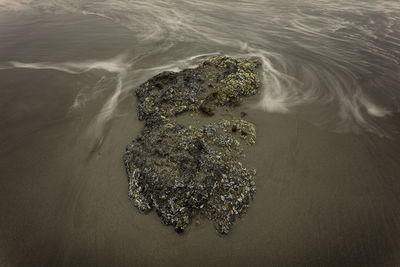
x=217 y=81
x=183 y=171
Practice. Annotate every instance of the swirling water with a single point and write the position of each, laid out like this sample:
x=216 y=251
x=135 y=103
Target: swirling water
x=342 y=54
x=333 y=65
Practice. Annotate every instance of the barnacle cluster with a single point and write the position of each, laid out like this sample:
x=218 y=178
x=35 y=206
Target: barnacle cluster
x=182 y=171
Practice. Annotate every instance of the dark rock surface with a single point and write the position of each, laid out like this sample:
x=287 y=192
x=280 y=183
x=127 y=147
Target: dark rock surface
x=183 y=171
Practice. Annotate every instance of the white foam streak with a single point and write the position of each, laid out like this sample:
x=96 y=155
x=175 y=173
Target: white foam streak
x=117 y=65
x=114 y=65
x=45 y=66
x=373 y=109
x=96 y=128
x=307 y=47
x=328 y=85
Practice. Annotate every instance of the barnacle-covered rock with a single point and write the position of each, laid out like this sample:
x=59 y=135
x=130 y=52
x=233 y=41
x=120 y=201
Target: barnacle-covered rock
x=183 y=171
x=217 y=81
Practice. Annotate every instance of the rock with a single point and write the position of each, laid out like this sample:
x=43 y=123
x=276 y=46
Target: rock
x=181 y=171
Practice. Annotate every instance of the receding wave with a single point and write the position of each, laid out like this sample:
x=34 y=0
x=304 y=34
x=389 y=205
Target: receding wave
x=321 y=53
x=117 y=66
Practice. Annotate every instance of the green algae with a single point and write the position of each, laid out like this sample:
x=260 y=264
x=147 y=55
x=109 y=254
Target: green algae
x=184 y=171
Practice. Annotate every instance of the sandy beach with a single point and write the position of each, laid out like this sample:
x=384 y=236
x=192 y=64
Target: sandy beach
x=324 y=197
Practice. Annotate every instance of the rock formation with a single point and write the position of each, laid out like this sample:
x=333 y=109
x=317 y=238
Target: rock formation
x=182 y=171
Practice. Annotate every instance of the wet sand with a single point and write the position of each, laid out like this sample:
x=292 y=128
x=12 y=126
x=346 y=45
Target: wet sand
x=323 y=198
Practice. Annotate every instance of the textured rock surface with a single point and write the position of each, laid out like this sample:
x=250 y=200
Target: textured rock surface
x=183 y=171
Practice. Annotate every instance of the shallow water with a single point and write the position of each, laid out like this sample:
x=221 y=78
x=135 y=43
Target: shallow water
x=327 y=153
